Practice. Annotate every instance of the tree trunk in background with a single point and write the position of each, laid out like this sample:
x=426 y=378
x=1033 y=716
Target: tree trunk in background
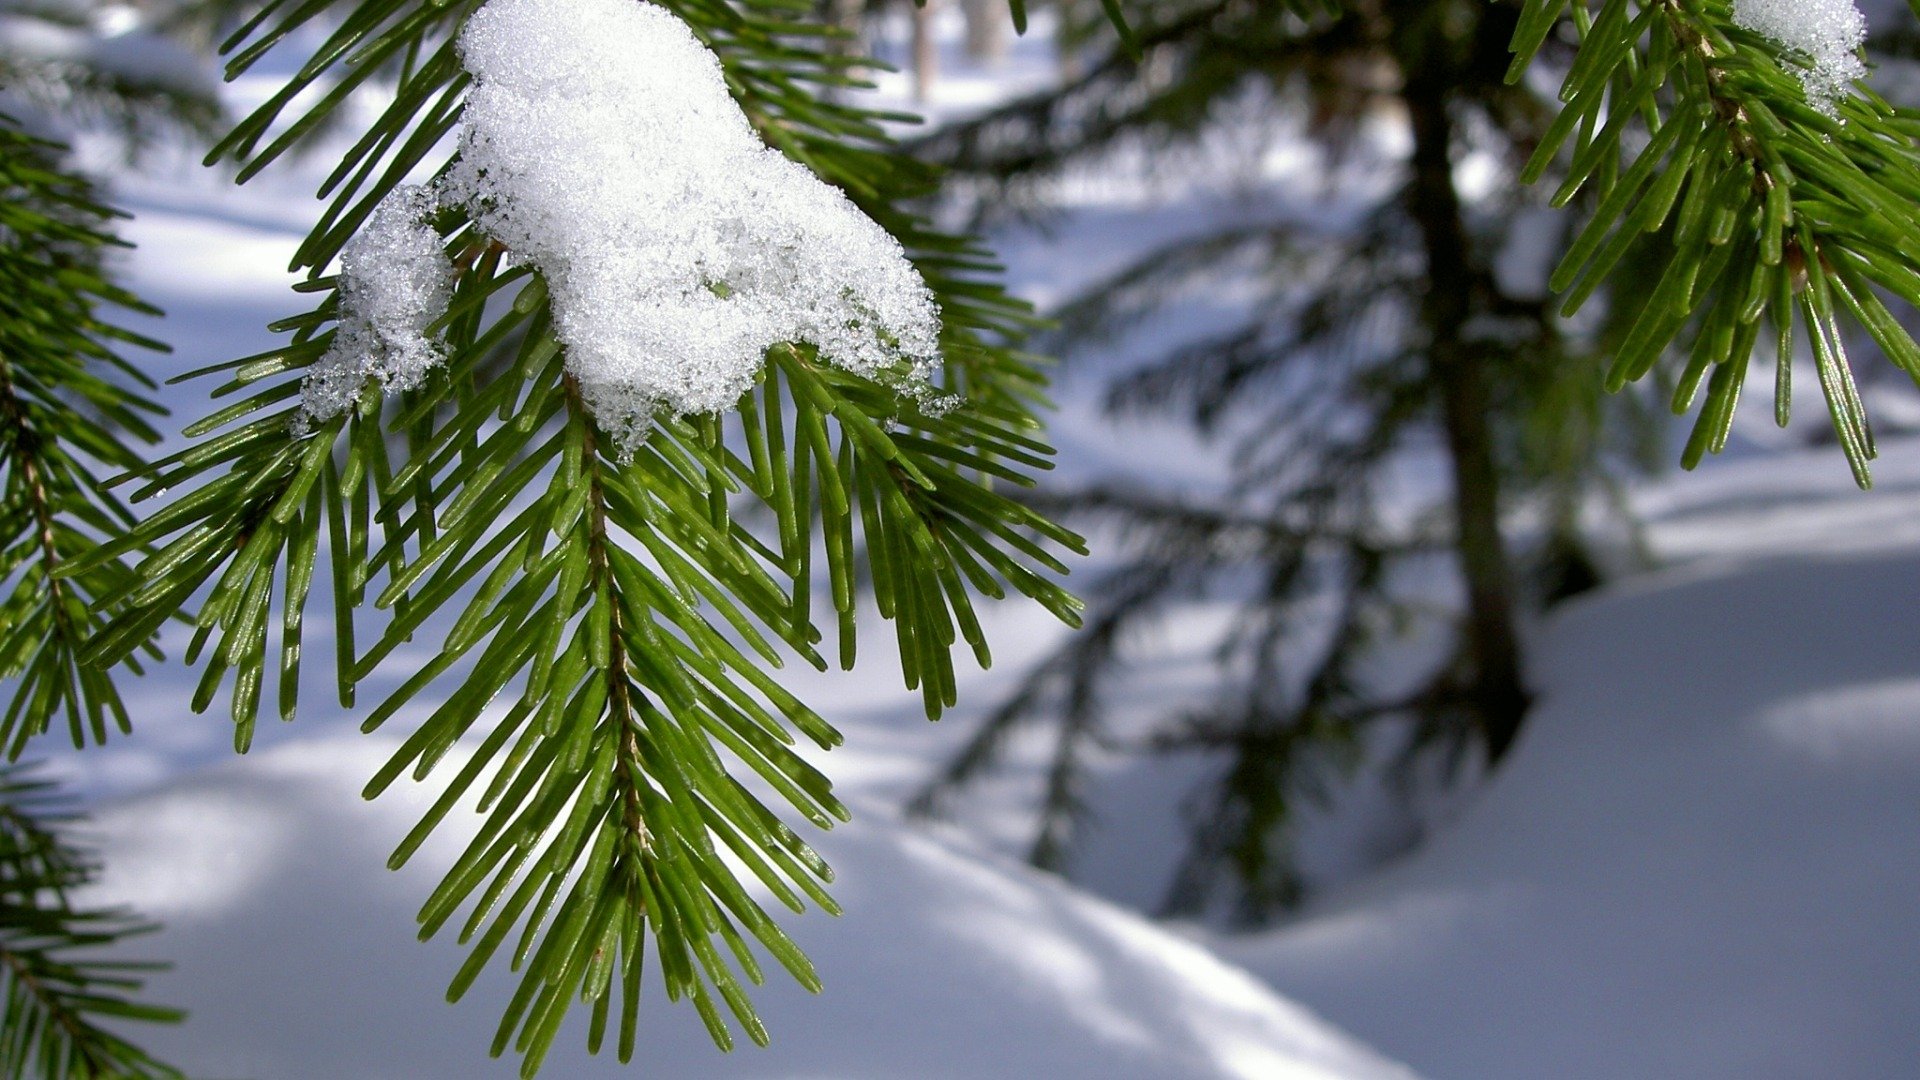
x=926 y=56
x=850 y=18
x=987 y=24
x=1429 y=57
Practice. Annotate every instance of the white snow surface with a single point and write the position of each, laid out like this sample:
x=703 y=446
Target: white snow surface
x=601 y=145
x=1701 y=860
x=1829 y=32
x=292 y=946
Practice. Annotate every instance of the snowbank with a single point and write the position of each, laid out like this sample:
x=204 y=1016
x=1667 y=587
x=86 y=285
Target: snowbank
x=1702 y=861
x=293 y=948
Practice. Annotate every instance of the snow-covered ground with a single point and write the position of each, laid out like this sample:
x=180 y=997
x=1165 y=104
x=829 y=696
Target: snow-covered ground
x=1702 y=861
x=293 y=947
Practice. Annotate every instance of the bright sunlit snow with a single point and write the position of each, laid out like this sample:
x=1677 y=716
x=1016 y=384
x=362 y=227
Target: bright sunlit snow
x=1830 y=32
x=601 y=145
x=292 y=946
x=1700 y=859
x=394 y=282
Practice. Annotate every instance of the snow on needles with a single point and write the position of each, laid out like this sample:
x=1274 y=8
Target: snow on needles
x=395 y=280
x=1830 y=32
x=601 y=146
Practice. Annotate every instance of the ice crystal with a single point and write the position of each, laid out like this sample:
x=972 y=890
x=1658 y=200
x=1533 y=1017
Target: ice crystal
x=1829 y=32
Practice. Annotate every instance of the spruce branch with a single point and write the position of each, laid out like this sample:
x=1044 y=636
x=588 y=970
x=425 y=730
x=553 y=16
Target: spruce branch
x=1776 y=216
x=1321 y=375
x=68 y=405
x=57 y=990
x=608 y=612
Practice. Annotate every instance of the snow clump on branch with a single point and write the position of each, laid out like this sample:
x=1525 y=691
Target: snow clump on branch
x=394 y=282
x=601 y=146
x=1830 y=32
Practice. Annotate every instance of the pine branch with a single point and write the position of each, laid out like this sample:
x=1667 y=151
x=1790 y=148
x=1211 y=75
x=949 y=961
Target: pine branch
x=1013 y=146
x=1317 y=378
x=625 y=601
x=1776 y=217
x=55 y=355
x=56 y=987
x=1773 y=217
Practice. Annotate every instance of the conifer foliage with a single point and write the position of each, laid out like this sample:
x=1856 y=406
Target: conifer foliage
x=1783 y=186
x=60 y=995
x=1737 y=197
x=607 y=568
x=69 y=404
x=623 y=600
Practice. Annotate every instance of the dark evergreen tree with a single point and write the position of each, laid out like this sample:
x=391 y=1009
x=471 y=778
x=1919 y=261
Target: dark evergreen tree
x=1404 y=333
